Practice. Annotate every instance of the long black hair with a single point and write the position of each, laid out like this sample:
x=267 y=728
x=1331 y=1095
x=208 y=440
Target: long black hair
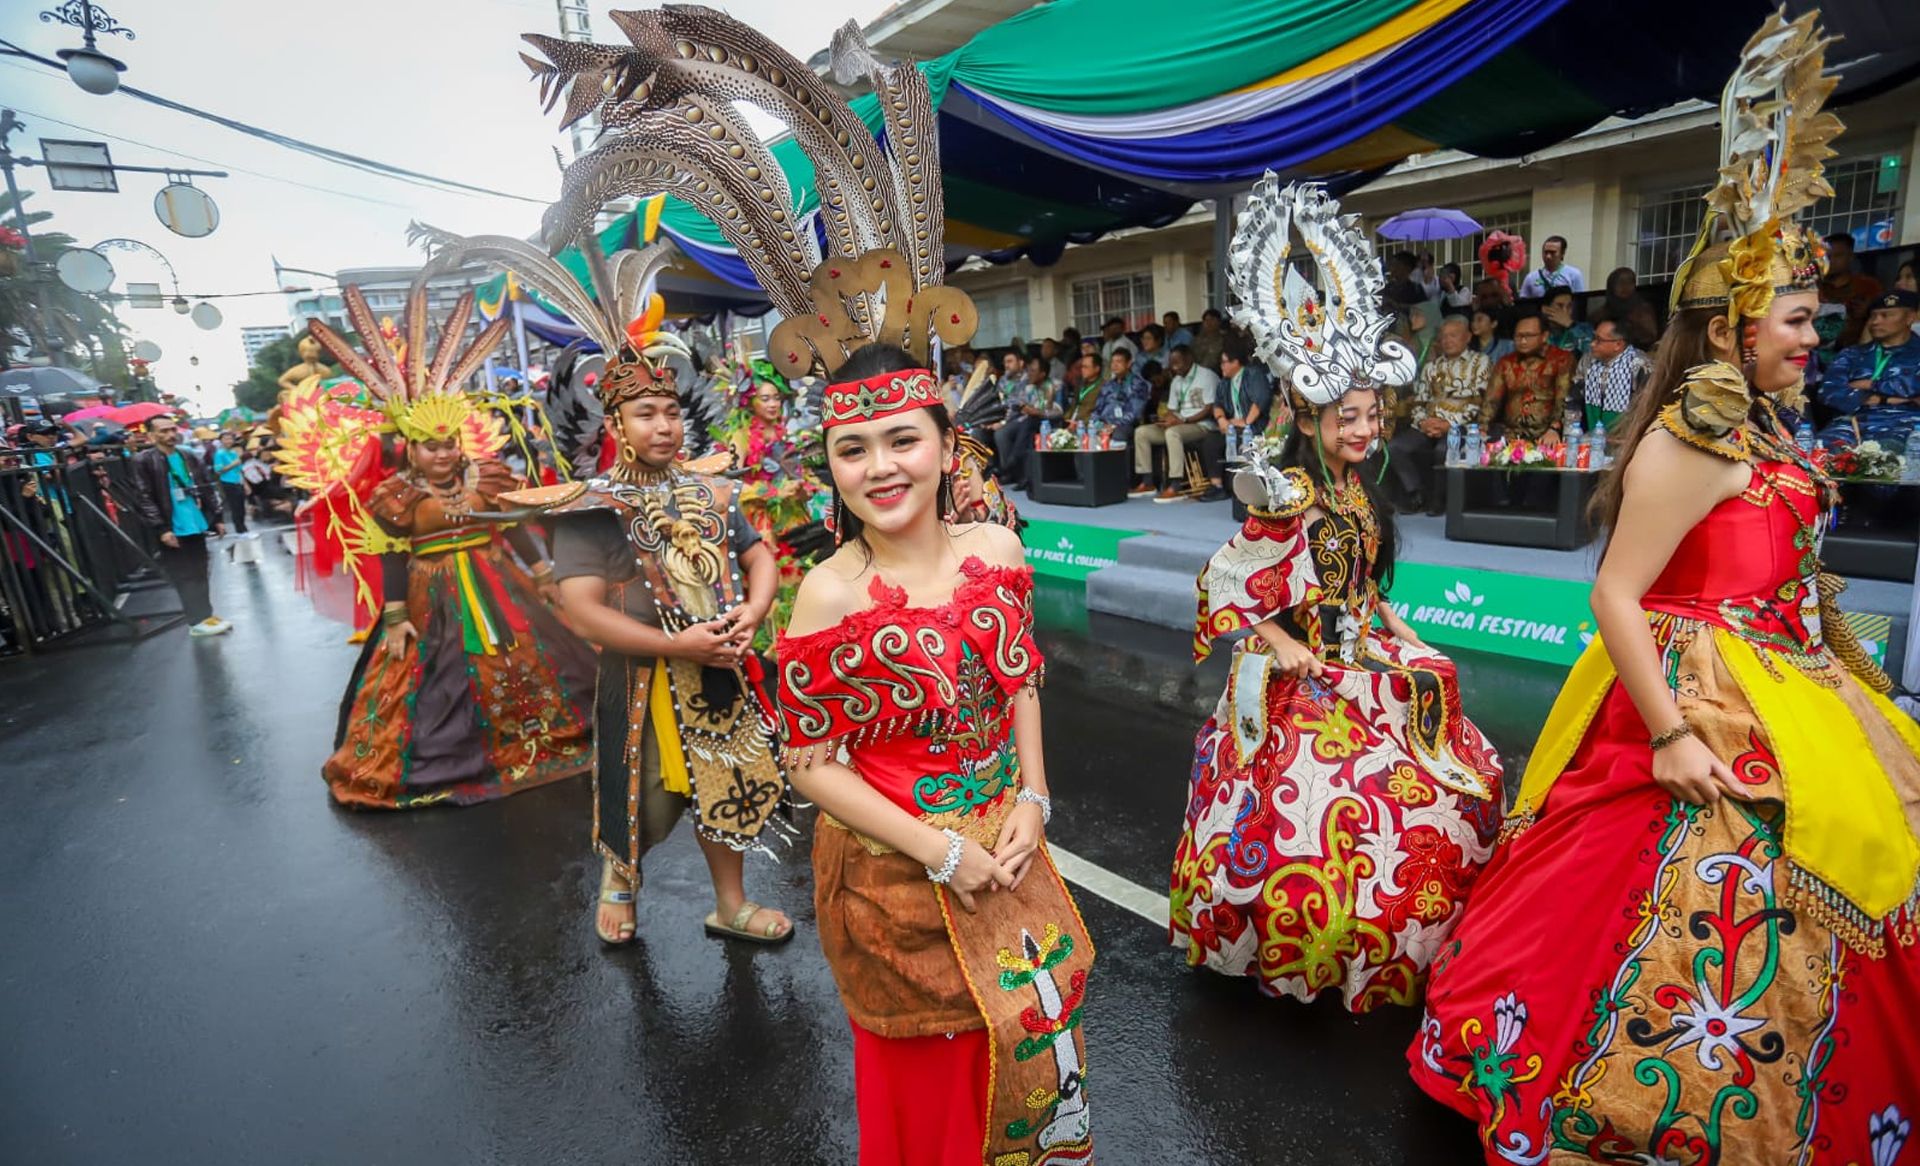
x=872 y=361
x=1304 y=450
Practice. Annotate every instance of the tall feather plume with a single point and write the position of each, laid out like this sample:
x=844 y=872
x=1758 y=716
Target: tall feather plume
x=529 y=264
x=469 y=362
x=689 y=49
x=385 y=370
x=913 y=145
x=450 y=335
x=700 y=171
x=1774 y=133
x=670 y=128
x=347 y=356
x=416 y=334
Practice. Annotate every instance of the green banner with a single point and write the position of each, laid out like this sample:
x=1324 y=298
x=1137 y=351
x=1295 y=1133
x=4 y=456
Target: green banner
x=1067 y=550
x=1486 y=611
x=1526 y=615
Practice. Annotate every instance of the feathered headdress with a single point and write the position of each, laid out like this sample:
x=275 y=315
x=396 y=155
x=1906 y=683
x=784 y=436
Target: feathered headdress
x=423 y=400
x=1774 y=138
x=622 y=315
x=1330 y=343
x=667 y=102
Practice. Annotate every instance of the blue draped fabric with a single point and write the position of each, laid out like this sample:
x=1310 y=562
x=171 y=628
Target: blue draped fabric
x=1296 y=134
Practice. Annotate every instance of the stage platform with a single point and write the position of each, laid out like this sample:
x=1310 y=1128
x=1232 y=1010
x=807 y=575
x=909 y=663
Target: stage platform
x=1139 y=559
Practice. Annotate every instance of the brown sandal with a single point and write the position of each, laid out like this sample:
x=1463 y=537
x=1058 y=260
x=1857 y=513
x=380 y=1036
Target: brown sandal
x=614 y=896
x=737 y=929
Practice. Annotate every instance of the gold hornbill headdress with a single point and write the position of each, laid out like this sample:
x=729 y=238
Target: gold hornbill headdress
x=667 y=102
x=1774 y=137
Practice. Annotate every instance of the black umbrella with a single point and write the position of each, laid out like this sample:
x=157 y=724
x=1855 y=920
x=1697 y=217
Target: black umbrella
x=48 y=381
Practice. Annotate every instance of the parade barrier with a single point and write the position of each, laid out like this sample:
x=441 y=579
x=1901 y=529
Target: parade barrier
x=75 y=554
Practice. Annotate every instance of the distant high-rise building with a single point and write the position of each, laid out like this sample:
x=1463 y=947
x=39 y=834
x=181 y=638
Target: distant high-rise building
x=253 y=339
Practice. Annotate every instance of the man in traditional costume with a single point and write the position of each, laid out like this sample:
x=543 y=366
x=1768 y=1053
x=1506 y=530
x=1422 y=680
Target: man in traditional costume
x=659 y=567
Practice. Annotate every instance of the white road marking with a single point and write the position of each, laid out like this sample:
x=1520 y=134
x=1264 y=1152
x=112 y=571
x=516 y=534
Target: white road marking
x=1099 y=880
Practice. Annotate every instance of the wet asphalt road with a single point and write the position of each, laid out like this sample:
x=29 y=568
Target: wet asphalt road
x=205 y=962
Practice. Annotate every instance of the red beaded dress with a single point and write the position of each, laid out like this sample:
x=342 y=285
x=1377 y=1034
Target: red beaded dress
x=967 y=1039
x=1640 y=979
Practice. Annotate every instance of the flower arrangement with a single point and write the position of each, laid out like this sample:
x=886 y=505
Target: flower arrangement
x=1517 y=453
x=1869 y=460
x=1064 y=438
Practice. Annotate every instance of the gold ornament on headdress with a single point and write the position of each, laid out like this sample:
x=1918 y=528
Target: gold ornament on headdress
x=422 y=401
x=619 y=310
x=667 y=103
x=1774 y=137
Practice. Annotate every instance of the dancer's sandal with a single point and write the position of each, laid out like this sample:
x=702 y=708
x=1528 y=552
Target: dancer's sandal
x=737 y=929
x=614 y=896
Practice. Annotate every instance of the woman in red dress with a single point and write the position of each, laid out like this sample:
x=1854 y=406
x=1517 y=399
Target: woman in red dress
x=1341 y=802
x=911 y=716
x=1696 y=942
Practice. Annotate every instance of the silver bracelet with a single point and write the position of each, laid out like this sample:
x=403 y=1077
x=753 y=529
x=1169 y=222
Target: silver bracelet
x=1043 y=801
x=955 y=845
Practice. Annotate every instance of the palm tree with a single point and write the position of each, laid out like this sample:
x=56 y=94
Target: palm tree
x=79 y=321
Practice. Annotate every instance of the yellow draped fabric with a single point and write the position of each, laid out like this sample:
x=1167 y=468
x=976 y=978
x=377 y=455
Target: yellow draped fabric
x=1845 y=822
x=666 y=731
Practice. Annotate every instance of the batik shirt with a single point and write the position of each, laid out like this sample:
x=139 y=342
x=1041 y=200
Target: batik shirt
x=1452 y=388
x=1123 y=402
x=1529 y=394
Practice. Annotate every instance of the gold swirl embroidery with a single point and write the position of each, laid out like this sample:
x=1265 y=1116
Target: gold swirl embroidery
x=1010 y=655
x=814 y=719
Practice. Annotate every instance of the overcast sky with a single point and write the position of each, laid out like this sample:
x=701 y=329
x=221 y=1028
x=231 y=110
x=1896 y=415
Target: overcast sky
x=432 y=85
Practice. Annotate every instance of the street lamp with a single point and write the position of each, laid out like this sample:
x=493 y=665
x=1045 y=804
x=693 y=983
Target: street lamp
x=91 y=69
x=181 y=305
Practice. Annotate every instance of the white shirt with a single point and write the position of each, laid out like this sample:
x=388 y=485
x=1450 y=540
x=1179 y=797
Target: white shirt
x=1112 y=346
x=1540 y=279
x=256 y=471
x=1192 y=393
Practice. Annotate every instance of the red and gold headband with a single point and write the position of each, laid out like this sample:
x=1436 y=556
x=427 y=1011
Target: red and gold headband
x=879 y=396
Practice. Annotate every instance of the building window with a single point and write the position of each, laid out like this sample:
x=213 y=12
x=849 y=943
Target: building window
x=1666 y=228
x=1003 y=317
x=1865 y=202
x=1130 y=297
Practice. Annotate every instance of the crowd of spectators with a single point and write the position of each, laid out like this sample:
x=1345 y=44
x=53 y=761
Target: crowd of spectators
x=1533 y=358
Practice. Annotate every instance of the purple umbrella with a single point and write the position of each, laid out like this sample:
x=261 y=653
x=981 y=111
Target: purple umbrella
x=1428 y=224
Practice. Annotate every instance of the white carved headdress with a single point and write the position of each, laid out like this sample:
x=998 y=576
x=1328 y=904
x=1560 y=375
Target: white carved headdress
x=1325 y=341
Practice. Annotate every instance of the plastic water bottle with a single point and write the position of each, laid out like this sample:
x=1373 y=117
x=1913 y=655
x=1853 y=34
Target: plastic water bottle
x=1046 y=434
x=1476 y=447
x=1910 y=468
x=1456 y=445
x=1579 y=453
x=1803 y=437
x=1601 y=458
x=1233 y=443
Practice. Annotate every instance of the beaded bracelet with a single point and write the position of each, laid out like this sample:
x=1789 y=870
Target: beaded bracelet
x=1662 y=740
x=1027 y=796
x=955 y=846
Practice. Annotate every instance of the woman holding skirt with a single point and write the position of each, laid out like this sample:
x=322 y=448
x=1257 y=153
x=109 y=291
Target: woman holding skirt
x=910 y=713
x=1696 y=942
x=1341 y=803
